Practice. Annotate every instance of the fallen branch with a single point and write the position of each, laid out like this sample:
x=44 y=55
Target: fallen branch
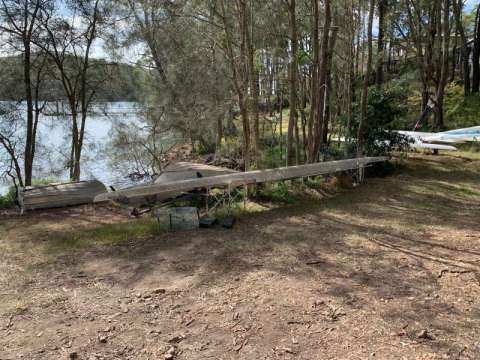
x=314 y=262
x=443 y=271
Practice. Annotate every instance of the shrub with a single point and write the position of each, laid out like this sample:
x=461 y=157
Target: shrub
x=384 y=112
x=277 y=192
x=9 y=199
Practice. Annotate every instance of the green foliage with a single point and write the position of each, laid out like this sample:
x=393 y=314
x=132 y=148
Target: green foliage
x=384 y=113
x=9 y=199
x=333 y=152
x=314 y=182
x=272 y=156
x=460 y=111
x=125 y=82
x=205 y=145
x=278 y=192
x=231 y=147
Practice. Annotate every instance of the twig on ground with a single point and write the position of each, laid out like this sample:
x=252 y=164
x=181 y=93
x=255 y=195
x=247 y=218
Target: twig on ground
x=443 y=271
x=314 y=262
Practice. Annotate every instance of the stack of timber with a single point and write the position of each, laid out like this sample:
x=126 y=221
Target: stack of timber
x=60 y=194
x=167 y=190
x=187 y=170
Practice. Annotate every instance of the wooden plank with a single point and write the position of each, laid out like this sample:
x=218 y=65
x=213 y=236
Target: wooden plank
x=164 y=191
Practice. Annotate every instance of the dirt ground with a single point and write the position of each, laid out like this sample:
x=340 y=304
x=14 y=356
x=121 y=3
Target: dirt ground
x=389 y=270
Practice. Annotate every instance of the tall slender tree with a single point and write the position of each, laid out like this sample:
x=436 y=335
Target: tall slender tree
x=19 y=20
x=293 y=72
x=363 y=115
x=465 y=49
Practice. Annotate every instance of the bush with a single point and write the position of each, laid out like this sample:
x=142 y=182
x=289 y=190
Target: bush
x=384 y=112
x=460 y=111
x=231 y=148
x=278 y=192
x=9 y=199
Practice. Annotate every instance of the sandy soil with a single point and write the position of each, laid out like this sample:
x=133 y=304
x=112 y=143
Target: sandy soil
x=389 y=270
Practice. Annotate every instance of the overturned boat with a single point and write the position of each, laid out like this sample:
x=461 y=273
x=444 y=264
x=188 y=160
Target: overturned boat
x=59 y=194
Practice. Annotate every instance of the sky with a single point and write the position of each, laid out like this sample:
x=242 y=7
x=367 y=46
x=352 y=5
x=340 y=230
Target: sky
x=470 y=4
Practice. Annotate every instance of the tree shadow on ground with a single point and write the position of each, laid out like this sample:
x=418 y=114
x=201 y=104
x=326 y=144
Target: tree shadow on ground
x=371 y=247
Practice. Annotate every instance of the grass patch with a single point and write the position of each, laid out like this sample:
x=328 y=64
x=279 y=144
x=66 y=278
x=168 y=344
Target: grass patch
x=109 y=234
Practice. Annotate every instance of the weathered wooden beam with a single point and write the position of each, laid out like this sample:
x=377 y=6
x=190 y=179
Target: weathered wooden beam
x=158 y=192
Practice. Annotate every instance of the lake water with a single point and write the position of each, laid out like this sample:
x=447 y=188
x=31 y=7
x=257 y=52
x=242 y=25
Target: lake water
x=53 y=147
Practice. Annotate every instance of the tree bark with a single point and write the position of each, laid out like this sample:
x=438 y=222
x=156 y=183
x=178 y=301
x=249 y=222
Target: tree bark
x=254 y=85
x=439 y=122
x=239 y=72
x=314 y=147
x=292 y=121
x=382 y=8
x=23 y=29
x=314 y=82
x=476 y=55
x=328 y=86
x=363 y=117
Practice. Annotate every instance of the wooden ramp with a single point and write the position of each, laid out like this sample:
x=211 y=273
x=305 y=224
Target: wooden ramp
x=60 y=194
x=163 y=191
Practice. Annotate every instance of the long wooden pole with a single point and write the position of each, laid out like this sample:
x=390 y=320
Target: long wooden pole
x=167 y=190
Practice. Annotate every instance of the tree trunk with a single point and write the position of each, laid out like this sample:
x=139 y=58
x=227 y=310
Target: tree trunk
x=328 y=87
x=240 y=73
x=363 y=117
x=439 y=122
x=314 y=82
x=351 y=78
x=382 y=8
x=254 y=78
x=314 y=147
x=30 y=140
x=454 y=56
x=281 y=122
x=292 y=122
x=476 y=55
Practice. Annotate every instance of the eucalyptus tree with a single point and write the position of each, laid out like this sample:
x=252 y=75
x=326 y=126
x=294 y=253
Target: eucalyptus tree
x=19 y=24
x=11 y=140
x=68 y=36
x=178 y=42
x=458 y=6
x=363 y=115
x=476 y=53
